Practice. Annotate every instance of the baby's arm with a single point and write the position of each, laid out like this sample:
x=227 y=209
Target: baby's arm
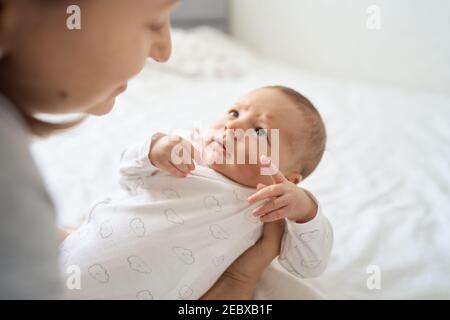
x=306 y=247
x=134 y=165
x=308 y=236
x=172 y=154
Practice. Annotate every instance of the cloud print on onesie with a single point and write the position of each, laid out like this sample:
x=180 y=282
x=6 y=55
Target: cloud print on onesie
x=218 y=232
x=184 y=254
x=105 y=230
x=185 y=292
x=99 y=273
x=309 y=236
x=138 y=227
x=212 y=204
x=137 y=264
x=173 y=217
x=144 y=295
x=169 y=194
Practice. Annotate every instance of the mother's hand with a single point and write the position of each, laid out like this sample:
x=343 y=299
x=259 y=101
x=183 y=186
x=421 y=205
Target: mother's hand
x=240 y=279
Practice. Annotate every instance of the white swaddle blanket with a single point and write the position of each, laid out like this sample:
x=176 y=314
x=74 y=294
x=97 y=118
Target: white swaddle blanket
x=171 y=238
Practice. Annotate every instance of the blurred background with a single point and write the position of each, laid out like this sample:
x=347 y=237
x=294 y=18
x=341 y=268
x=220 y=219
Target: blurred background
x=408 y=46
x=379 y=74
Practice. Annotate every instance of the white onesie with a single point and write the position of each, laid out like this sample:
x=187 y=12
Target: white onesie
x=171 y=238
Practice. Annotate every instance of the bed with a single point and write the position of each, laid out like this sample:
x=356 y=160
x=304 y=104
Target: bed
x=384 y=181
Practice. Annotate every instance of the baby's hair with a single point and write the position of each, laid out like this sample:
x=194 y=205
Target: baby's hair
x=316 y=141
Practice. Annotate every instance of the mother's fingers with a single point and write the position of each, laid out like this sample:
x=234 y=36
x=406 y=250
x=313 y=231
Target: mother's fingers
x=270 y=240
x=273 y=190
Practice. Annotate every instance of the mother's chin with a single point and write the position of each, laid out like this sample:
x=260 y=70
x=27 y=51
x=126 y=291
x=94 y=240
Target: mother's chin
x=106 y=106
x=102 y=108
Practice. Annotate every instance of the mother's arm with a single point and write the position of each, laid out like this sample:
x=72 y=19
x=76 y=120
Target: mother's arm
x=239 y=281
x=28 y=245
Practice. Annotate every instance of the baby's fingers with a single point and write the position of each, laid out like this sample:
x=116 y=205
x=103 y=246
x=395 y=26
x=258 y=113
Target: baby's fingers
x=173 y=170
x=269 y=206
x=273 y=190
x=260 y=186
x=179 y=151
x=190 y=156
x=274 y=215
x=184 y=168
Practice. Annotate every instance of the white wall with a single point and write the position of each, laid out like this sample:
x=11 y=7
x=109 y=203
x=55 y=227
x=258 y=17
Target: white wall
x=191 y=13
x=330 y=37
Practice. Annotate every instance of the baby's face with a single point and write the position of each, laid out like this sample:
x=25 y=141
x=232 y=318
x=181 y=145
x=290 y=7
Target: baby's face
x=257 y=113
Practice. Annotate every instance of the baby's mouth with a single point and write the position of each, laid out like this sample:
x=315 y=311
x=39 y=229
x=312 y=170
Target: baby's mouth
x=220 y=144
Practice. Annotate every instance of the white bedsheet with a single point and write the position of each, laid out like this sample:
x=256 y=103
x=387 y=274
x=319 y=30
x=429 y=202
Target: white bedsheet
x=384 y=181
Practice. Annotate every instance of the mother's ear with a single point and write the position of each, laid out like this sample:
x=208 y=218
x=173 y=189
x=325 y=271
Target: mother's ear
x=2 y=5
x=3 y=28
x=6 y=24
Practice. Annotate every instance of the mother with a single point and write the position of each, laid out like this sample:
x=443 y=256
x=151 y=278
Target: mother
x=47 y=68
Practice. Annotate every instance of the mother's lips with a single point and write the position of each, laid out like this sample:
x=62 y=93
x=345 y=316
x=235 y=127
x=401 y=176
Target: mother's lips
x=119 y=90
x=122 y=88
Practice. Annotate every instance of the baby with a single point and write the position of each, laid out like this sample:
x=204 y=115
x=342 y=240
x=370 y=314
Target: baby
x=182 y=223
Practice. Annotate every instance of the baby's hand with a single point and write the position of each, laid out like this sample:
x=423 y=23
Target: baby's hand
x=284 y=200
x=172 y=154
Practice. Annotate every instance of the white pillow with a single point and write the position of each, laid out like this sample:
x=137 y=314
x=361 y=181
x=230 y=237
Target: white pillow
x=205 y=52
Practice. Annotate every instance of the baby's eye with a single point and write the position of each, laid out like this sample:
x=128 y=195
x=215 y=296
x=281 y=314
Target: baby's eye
x=261 y=132
x=234 y=113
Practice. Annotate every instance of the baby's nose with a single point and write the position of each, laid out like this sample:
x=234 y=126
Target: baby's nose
x=236 y=124
x=230 y=134
x=230 y=126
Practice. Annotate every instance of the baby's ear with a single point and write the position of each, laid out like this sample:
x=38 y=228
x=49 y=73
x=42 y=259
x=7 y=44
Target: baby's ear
x=294 y=177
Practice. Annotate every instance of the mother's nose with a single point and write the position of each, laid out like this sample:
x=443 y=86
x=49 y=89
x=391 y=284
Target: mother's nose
x=161 y=48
